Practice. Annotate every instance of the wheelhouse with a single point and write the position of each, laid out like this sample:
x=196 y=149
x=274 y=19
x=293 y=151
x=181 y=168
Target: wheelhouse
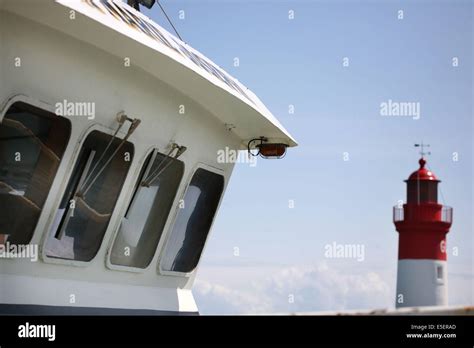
x=109 y=134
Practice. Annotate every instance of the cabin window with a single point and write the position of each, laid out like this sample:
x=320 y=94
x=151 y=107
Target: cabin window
x=142 y=226
x=32 y=143
x=193 y=222
x=91 y=194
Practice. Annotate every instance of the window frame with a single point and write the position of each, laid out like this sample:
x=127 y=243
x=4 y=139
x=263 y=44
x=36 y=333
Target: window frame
x=81 y=138
x=123 y=212
x=199 y=165
x=439 y=268
x=56 y=187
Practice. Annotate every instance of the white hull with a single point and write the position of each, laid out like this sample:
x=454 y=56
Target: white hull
x=28 y=290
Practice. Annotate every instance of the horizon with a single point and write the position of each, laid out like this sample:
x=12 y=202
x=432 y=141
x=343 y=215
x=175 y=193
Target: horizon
x=333 y=65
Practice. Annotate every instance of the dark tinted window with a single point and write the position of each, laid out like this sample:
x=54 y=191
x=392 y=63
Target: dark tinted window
x=88 y=203
x=422 y=191
x=193 y=222
x=32 y=143
x=142 y=226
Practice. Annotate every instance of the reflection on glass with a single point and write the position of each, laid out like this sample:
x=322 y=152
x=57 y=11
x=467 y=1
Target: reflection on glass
x=193 y=222
x=83 y=216
x=142 y=226
x=32 y=143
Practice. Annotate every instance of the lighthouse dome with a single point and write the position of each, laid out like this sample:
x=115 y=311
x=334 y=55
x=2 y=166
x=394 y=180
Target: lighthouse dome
x=422 y=173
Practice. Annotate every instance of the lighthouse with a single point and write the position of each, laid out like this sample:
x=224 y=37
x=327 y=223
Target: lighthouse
x=422 y=225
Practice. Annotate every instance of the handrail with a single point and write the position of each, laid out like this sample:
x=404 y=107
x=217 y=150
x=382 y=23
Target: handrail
x=422 y=212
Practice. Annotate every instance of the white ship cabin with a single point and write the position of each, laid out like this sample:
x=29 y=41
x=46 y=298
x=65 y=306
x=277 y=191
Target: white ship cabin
x=109 y=176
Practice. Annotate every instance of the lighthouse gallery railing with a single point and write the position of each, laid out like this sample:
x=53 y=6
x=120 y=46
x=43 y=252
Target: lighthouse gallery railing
x=446 y=213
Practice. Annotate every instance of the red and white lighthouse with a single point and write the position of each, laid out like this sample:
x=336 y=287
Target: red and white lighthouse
x=422 y=225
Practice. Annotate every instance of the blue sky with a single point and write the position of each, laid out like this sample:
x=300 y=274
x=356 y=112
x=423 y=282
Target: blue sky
x=337 y=110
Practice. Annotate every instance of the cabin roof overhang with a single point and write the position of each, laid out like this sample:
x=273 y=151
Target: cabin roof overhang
x=118 y=29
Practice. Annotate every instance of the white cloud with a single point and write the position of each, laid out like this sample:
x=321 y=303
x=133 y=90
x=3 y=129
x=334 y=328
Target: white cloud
x=313 y=289
x=218 y=299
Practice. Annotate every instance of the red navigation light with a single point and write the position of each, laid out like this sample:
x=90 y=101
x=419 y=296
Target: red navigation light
x=268 y=150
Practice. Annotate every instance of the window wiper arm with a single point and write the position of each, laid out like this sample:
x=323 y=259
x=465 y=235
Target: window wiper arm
x=159 y=170
x=134 y=125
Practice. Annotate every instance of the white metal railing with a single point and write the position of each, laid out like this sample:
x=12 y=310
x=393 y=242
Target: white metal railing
x=398 y=213
x=447 y=214
x=422 y=210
